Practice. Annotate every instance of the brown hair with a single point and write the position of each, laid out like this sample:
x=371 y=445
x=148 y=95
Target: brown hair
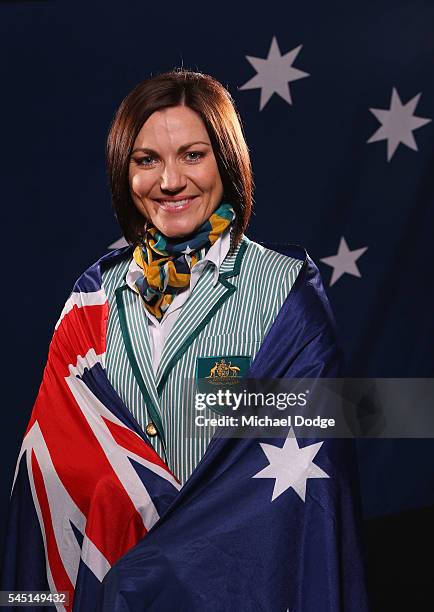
x=214 y=104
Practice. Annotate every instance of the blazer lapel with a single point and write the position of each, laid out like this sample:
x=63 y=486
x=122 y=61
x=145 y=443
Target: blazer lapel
x=132 y=316
x=201 y=306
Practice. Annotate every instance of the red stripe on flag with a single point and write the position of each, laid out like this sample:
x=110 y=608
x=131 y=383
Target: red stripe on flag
x=131 y=442
x=113 y=523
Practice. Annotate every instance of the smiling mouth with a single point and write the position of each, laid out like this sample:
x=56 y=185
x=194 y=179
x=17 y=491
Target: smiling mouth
x=175 y=205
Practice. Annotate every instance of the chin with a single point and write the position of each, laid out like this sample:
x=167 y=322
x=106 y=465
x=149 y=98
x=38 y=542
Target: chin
x=178 y=230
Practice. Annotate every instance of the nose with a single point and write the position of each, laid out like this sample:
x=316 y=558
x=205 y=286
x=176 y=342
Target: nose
x=172 y=178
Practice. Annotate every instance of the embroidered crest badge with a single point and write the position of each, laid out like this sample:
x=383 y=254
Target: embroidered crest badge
x=222 y=371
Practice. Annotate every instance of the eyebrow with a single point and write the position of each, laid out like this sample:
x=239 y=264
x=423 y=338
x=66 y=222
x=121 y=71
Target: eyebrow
x=181 y=149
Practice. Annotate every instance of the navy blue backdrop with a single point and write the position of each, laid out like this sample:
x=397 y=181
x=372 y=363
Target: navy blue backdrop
x=338 y=115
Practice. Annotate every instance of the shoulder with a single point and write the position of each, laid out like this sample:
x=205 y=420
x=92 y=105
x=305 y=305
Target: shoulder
x=114 y=267
x=109 y=269
x=269 y=275
x=282 y=261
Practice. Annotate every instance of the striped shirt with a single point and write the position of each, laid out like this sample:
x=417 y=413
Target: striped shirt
x=231 y=318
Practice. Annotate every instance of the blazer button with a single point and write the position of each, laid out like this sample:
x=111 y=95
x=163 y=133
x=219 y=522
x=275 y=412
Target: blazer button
x=151 y=430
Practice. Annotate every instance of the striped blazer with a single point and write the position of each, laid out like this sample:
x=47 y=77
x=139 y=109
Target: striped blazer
x=227 y=319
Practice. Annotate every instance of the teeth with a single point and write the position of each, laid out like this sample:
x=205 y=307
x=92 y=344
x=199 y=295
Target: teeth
x=175 y=204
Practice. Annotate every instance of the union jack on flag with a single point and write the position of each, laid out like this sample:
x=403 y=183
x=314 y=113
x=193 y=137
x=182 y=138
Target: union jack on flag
x=259 y=525
x=96 y=485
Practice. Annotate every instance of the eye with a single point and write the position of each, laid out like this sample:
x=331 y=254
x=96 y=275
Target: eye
x=146 y=160
x=196 y=155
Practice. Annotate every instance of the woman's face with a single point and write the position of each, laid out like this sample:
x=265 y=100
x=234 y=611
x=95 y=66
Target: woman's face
x=174 y=179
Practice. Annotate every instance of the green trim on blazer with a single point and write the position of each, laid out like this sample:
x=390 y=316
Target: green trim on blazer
x=153 y=411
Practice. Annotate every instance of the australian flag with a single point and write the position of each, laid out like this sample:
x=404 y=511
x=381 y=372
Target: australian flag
x=262 y=524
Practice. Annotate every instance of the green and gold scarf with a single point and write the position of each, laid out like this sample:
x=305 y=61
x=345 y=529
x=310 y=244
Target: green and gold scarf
x=167 y=262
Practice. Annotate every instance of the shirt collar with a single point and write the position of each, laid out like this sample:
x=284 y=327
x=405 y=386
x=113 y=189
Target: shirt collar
x=215 y=255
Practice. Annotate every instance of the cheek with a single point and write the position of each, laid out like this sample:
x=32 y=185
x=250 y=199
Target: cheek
x=209 y=177
x=138 y=184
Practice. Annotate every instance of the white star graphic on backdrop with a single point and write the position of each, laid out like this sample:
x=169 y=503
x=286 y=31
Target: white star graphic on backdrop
x=274 y=73
x=291 y=466
x=344 y=261
x=398 y=124
x=187 y=250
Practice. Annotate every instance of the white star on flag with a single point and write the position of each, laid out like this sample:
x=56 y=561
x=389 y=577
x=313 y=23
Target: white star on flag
x=344 y=261
x=274 y=73
x=187 y=250
x=291 y=466
x=398 y=124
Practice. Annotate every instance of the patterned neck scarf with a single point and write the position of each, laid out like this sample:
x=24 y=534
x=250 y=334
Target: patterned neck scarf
x=167 y=262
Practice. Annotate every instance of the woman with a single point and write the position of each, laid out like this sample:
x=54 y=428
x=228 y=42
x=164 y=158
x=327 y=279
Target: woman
x=152 y=172
x=111 y=440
